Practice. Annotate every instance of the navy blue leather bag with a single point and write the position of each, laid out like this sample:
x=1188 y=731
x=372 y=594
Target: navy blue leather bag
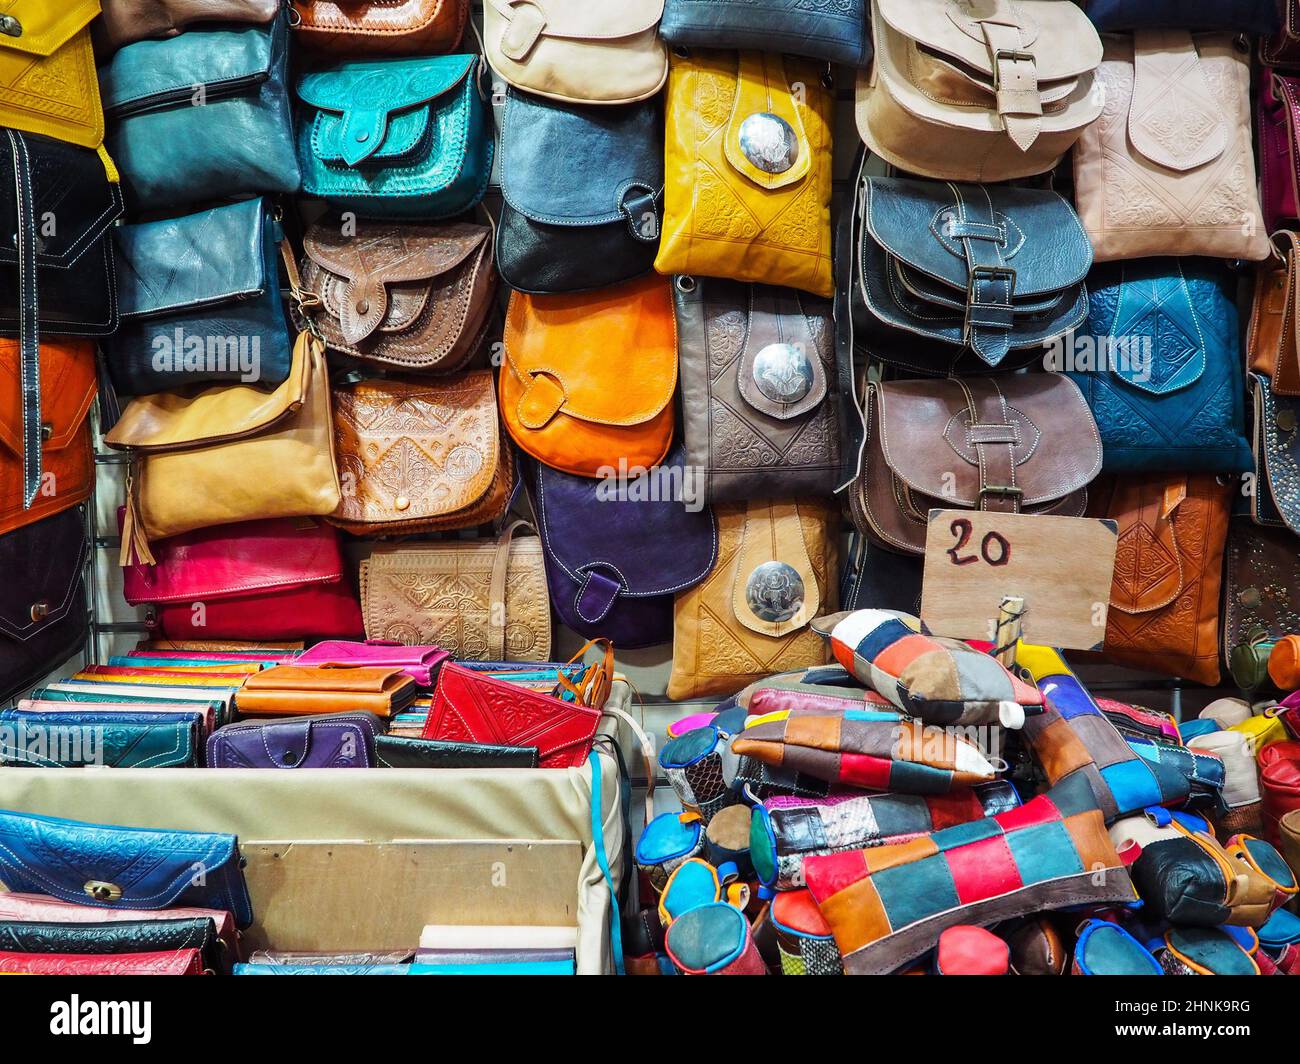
x=1246 y=16
x=1159 y=364
x=834 y=30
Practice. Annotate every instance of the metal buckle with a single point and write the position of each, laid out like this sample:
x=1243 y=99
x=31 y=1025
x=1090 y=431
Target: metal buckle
x=1016 y=56
x=1001 y=489
x=988 y=272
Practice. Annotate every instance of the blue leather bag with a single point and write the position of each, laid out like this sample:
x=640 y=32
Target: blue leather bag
x=1159 y=364
x=408 y=139
x=200 y=302
x=1245 y=16
x=122 y=868
x=205 y=115
x=837 y=31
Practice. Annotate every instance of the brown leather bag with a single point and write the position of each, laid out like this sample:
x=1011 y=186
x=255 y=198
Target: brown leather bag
x=1164 y=603
x=394 y=27
x=127 y=21
x=418 y=297
x=1273 y=342
x=1261 y=597
x=297 y=690
x=1289 y=832
x=420 y=457
x=1019 y=444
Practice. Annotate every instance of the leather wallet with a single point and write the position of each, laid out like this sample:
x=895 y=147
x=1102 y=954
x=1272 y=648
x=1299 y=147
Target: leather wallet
x=207 y=716
x=117 y=937
x=394 y=751
x=90 y=736
x=420 y=663
x=294 y=690
x=172 y=962
x=340 y=740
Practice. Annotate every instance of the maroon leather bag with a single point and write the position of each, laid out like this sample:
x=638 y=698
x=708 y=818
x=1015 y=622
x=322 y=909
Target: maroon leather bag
x=1279 y=785
x=1278 y=116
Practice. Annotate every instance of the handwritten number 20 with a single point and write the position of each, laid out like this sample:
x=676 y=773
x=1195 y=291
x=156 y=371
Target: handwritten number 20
x=994 y=548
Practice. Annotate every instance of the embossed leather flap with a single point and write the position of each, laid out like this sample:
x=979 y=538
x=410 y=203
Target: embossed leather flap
x=1174 y=120
x=766 y=141
x=44 y=26
x=621 y=153
x=932 y=434
x=195 y=261
x=377 y=111
x=67 y=391
x=447 y=429
x=527 y=21
x=780 y=373
x=774 y=588
x=365 y=16
x=1148 y=569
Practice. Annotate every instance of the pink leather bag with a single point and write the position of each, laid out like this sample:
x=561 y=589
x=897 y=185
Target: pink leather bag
x=419 y=663
x=257 y=580
x=1278 y=114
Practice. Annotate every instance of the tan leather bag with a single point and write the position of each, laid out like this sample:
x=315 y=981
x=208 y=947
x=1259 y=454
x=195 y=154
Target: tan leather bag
x=1169 y=168
x=420 y=457
x=127 y=21
x=393 y=27
x=1289 y=831
x=229 y=453
x=1018 y=444
x=749 y=618
x=483 y=600
x=977 y=90
x=1273 y=342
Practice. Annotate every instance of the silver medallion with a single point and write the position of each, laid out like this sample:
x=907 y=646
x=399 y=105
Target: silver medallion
x=774 y=592
x=768 y=141
x=783 y=372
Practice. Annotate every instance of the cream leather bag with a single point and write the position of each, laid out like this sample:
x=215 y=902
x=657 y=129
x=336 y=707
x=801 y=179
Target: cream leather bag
x=978 y=90
x=578 y=51
x=1169 y=168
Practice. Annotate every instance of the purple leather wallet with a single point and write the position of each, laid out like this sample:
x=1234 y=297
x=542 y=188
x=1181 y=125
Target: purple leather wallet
x=420 y=663
x=337 y=740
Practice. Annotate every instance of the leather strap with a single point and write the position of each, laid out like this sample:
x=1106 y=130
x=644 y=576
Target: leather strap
x=306 y=302
x=641 y=208
x=29 y=338
x=995 y=439
x=991 y=284
x=497 y=589
x=1015 y=76
x=1286 y=364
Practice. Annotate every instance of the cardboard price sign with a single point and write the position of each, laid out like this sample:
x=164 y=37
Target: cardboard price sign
x=1061 y=566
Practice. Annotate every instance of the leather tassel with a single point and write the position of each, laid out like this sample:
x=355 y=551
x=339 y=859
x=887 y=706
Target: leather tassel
x=135 y=543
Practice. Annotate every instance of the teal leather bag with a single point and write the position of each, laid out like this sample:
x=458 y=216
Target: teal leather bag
x=406 y=139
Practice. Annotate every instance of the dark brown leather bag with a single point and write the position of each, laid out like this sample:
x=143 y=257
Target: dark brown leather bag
x=1261 y=597
x=1022 y=444
x=395 y=27
x=127 y=21
x=418 y=297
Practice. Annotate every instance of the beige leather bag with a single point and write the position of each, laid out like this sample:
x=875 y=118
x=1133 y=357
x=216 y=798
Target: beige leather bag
x=978 y=90
x=229 y=453
x=482 y=600
x=749 y=617
x=1169 y=168
x=579 y=51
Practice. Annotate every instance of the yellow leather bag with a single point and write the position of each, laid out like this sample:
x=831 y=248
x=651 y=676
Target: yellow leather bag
x=1262 y=729
x=48 y=83
x=747 y=191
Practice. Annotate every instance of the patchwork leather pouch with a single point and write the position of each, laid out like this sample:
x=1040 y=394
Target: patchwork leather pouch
x=47 y=71
x=836 y=31
x=803 y=938
x=126 y=21
x=398 y=27
x=338 y=740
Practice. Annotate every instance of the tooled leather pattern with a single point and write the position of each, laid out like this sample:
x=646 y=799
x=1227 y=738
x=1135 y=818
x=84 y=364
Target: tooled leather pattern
x=56 y=94
x=1278 y=425
x=1263 y=591
x=144 y=936
x=382 y=27
x=177 y=962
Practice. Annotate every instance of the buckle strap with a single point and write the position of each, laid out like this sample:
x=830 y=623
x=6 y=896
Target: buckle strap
x=1015 y=82
x=995 y=439
x=640 y=206
x=29 y=338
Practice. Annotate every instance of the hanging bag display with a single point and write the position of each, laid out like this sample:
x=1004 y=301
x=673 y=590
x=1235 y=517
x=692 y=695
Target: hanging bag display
x=395 y=27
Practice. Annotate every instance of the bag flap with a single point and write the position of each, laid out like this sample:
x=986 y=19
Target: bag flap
x=774 y=586
x=926 y=224
x=44 y=562
x=197 y=260
x=196 y=67
x=608 y=356
x=619 y=151
x=287 y=743
x=925 y=434
x=1148 y=564
x=766 y=142
x=376 y=21
x=171 y=421
x=359 y=679
x=41 y=27
x=781 y=373
x=515 y=26
x=386 y=254
x=236 y=560
x=441 y=435
x=1174 y=119
x=68 y=385
x=377 y=109
x=645 y=543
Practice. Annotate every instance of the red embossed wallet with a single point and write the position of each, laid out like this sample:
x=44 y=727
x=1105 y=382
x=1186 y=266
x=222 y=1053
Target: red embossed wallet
x=170 y=962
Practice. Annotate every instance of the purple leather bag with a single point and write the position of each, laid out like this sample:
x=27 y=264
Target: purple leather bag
x=339 y=740
x=615 y=558
x=420 y=663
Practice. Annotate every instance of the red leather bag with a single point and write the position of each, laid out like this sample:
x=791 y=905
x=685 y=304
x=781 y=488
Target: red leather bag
x=172 y=962
x=1279 y=785
x=267 y=580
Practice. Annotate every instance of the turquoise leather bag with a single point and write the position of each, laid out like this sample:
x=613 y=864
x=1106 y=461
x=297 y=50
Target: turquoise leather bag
x=406 y=139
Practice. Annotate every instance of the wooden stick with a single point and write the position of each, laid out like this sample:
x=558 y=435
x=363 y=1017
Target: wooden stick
x=1010 y=624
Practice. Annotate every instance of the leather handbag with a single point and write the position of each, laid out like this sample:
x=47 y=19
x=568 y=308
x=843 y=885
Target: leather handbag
x=263 y=580
x=977 y=92
x=965 y=278
x=105 y=940
x=760 y=395
x=172 y=962
x=337 y=740
x=616 y=576
x=421 y=664
x=1164 y=603
x=776 y=571
x=91 y=737
x=1245 y=16
x=229 y=453
x=394 y=751
x=240 y=141
x=405 y=139
x=1278 y=120
x=577 y=52
x=301 y=690
x=421 y=457
x=200 y=302
x=409 y=297
x=47 y=71
x=127 y=21
x=404 y=27
x=1282 y=49
x=1023 y=444
x=1165 y=383
x=56 y=273
x=44 y=617
x=482 y=600
x=567 y=230
x=835 y=31
x=566 y=396
x=747 y=191
x=120 y=867
x=1275 y=498
x=1169 y=168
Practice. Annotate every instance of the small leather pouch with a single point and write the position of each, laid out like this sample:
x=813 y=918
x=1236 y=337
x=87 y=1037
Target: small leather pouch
x=420 y=663
x=127 y=21
x=1289 y=838
x=701 y=769
x=1205 y=951
x=1279 y=784
x=1284 y=663
x=696 y=882
x=171 y=962
x=394 y=751
x=339 y=740
x=403 y=27
x=90 y=737
x=964 y=950
x=122 y=868
x=124 y=936
x=667 y=841
x=47 y=71
x=804 y=941
x=1105 y=948
x=1241 y=789
x=713 y=940
x=299 y=690
x=420 y=457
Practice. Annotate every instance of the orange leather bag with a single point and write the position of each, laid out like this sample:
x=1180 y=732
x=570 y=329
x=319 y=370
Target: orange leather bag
x=588 y=379
x=394 y=27
x=68 y=467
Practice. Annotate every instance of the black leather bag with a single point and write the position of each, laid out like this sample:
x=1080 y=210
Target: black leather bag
x=395 y=751
x=584 y=193
x=117 y=937
x=43 y=612
x=1240 y=16
x=837 y=31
